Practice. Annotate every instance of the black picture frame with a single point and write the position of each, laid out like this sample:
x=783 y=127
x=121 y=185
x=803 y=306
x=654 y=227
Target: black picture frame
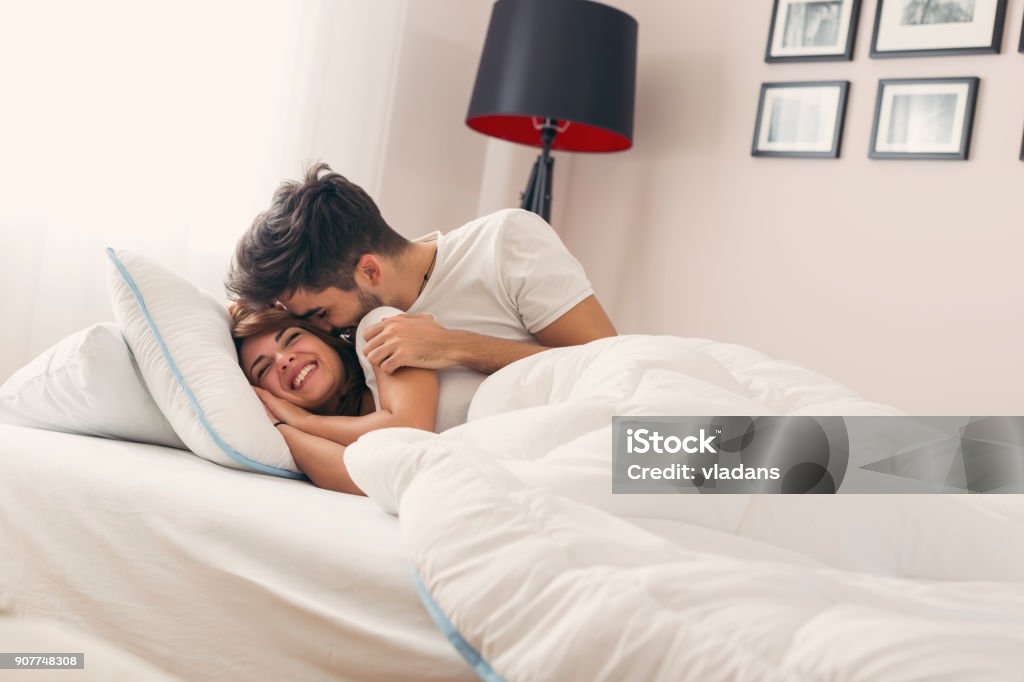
x=964 y=143
x=993 y=47
x=1020 y=48
x=837 y=130
x=851 y=35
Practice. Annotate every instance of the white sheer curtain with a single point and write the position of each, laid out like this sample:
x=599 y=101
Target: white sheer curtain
x=164 y=127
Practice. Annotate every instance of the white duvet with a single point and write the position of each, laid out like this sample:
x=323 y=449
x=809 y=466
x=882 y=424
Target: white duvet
x=543 y=574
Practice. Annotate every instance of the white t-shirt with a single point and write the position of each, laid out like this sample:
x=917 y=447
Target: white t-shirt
x=456 y=388
x=505 y=275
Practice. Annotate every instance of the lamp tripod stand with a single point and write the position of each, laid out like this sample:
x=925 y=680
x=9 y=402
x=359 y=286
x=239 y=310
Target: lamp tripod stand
x=537 y=195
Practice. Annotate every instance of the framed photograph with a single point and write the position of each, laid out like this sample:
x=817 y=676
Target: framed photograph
x=800 y=119
x=924 y=28
x=923 y=118
x=812 y=30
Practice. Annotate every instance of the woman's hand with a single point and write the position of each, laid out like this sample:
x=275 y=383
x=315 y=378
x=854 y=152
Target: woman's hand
x=270 y=415
x=282 y=410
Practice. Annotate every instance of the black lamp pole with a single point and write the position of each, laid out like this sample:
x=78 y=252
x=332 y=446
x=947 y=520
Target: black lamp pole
x=537 y=195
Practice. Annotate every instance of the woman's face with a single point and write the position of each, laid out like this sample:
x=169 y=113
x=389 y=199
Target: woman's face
x=294 y=365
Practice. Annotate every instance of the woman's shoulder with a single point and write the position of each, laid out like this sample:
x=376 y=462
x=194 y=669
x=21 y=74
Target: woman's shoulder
x=371 y=318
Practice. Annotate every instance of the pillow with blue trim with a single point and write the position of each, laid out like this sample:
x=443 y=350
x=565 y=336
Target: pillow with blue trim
x=181 y=338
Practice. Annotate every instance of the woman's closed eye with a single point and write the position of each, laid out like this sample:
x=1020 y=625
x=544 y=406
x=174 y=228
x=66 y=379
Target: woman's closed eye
x=289 y=340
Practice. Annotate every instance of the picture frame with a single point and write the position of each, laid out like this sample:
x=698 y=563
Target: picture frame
x=929 y=28
x=1020 y=48
x=924 y=118
x=812 y=30
x=800 y=119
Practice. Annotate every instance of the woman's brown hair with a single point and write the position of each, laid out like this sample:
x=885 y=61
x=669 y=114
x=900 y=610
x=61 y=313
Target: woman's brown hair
x=249 y=322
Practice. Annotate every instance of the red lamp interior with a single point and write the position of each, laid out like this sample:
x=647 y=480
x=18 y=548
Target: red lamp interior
x=576 y=137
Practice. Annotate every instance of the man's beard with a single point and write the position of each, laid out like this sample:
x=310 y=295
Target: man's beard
x=367 y=302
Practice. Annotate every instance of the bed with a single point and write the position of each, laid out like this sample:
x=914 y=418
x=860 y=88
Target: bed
x=496 y=550
x=206 y=572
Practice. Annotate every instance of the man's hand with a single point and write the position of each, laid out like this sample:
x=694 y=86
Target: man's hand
x=282 y=410
x=408 y=341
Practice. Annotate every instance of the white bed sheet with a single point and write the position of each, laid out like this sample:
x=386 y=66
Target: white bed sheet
x=206 y=572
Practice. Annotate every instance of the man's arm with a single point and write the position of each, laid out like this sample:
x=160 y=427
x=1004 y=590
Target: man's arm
x=419 y=341
x=584 y=322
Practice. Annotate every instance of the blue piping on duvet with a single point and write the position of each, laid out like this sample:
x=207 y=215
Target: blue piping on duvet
x=228 y=450
x=480 y=666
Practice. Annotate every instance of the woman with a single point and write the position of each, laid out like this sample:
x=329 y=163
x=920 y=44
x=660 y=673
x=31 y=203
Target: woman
x=315 y=390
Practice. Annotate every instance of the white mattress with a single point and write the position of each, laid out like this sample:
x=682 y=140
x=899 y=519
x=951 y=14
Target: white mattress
x=206 y=572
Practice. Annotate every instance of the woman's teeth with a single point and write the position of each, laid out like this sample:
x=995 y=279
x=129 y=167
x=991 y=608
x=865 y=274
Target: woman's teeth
x=303 y=374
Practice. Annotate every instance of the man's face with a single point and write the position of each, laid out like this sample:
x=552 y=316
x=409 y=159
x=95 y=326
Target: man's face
x=332 y=309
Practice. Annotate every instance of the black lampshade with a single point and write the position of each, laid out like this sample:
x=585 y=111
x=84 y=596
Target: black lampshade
x=569 y=60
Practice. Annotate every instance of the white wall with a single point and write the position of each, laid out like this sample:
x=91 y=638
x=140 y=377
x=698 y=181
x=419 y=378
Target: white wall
x=432 y=163
x=899 y=278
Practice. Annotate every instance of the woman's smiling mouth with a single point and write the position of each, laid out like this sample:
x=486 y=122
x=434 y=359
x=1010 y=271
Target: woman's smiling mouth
x=303 y=374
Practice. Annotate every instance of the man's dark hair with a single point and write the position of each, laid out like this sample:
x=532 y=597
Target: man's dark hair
x=311 y=237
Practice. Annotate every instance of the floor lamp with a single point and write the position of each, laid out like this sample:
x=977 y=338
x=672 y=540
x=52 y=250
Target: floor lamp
x=556 y=74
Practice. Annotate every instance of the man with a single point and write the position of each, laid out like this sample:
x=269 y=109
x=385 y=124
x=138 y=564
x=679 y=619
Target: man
x=495 y=290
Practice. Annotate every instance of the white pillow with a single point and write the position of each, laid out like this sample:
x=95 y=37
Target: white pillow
x=181 y=338
x=87 y=383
